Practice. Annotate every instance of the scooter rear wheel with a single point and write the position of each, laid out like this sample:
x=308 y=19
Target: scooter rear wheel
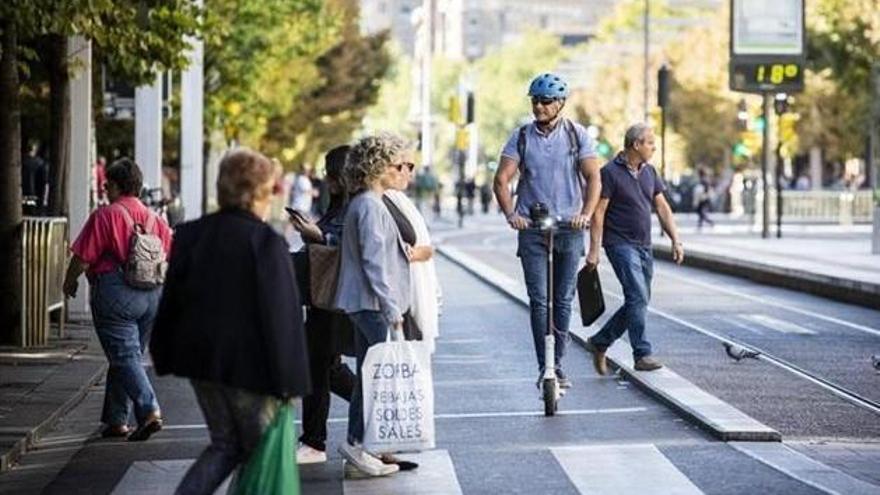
x=550 y=397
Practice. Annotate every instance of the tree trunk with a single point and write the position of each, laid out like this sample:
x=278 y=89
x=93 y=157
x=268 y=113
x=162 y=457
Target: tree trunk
x=10 y=187
x=59 y=124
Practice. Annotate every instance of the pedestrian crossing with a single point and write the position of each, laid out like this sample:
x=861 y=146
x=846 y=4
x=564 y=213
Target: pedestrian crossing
x=590 y=470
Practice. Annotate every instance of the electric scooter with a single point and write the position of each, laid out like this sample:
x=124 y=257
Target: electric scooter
x=541 y=221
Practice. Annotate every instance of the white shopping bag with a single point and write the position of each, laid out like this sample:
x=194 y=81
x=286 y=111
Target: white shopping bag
x=398 y=397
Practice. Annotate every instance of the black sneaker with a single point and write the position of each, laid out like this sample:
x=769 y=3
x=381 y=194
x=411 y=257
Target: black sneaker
x=563 y=380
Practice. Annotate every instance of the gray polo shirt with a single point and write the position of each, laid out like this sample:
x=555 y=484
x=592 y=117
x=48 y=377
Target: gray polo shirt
x=551 y=174
x=631 y=200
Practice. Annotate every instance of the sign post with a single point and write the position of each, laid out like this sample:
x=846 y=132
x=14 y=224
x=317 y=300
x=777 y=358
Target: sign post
x=767 y=56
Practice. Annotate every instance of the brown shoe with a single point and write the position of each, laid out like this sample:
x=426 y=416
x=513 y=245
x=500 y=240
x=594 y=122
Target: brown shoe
x=146 y=430
x=599 y=361
x=647 y=364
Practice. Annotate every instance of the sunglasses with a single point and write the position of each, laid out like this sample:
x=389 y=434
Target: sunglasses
x=542 y=101
x=399 y=166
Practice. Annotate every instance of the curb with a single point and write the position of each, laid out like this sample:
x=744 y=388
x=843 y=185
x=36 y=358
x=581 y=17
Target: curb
x=718 y=418
x=32 y=435
x=865 y=294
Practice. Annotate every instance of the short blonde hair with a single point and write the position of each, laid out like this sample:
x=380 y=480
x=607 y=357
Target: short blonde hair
x=245 y=176
x=369 y=156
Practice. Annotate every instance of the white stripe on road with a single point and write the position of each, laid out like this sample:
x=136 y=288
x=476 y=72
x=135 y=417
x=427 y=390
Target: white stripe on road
x=778 y=325
x=800 y=467
x=478 y=415
x=435 y=476
x=622 y=469
x=770 y=302
x=155 y=478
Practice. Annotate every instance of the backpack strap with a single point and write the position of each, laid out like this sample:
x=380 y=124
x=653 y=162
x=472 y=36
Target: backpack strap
x=130 y=220
x=573 y=140
x=521 y=148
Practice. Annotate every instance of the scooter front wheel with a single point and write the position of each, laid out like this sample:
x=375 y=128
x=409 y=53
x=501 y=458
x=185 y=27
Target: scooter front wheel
x=550 y=396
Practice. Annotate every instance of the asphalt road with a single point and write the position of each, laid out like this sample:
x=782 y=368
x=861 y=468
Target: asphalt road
x=491 y=434
x=832 y=340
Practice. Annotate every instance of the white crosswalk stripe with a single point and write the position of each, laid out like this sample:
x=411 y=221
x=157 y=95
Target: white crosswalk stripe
x=622 y=469
x=435 y=476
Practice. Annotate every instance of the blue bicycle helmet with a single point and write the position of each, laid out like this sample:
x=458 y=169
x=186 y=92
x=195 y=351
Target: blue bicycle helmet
x=548 y=86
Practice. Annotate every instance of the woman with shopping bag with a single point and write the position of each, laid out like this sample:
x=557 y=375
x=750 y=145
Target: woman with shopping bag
x=226 y=322
x=374 y=278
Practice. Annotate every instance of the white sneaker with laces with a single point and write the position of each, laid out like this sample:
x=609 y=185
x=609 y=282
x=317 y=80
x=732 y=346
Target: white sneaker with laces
x=308 y=455
x=361 y=460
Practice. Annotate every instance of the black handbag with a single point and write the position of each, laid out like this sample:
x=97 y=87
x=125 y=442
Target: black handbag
x=590 y=296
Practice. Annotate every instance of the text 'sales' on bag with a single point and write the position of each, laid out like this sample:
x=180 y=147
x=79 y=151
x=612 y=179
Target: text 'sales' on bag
x=590 y=296
x=323 y=275
x=272 y=466
x=398 y=397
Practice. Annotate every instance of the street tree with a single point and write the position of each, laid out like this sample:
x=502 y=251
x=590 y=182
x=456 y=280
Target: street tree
x=137 y=37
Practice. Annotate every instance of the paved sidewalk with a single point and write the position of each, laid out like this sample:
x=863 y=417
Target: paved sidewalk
x=38 y=386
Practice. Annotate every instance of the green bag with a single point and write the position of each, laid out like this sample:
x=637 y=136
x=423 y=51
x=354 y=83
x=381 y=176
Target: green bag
x=272 y=468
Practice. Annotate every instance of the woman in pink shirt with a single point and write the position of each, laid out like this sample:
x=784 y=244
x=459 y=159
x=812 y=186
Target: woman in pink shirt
x=123 y=315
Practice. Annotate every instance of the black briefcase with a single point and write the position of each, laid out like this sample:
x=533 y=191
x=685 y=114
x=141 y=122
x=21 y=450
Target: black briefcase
x=590 y=296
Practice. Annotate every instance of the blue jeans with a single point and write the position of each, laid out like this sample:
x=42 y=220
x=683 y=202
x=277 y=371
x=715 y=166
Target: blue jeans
x=370 y=328
x=634 y=267
x=568 y=248
x=123 y=318
x=236 y=420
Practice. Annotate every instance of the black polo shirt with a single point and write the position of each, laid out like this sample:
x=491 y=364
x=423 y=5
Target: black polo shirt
x=631 y=200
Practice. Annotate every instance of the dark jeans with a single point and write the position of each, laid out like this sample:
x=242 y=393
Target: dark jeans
x=370 y=328
x=634 y=267
x=236 y=421
x=703 y=214
x=329 y=374
x=123 y=318
x=568 y=248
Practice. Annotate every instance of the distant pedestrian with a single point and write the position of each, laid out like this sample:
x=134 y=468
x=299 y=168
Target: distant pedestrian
x=374 y=275
x=230 y=319
x=703 y=200
x=35 y=176
x=123 y=315
x=557 y=166
x=485 y=196
x=302 y=192
x=631 y=187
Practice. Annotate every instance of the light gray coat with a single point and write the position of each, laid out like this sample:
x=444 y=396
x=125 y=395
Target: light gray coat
x=374 y=270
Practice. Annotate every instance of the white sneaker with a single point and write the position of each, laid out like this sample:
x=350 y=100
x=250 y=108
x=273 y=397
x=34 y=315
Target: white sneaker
x=359 y=459
x=308 y=455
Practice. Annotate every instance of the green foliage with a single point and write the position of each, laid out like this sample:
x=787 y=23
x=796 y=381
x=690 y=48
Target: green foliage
x=260 y=57
x=136 y=37
x=327 y=116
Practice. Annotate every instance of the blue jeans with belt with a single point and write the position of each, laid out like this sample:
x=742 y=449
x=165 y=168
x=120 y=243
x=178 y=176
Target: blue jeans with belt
x=634 y=267
x=123 y=318
x=568 y=248
x=370 y=327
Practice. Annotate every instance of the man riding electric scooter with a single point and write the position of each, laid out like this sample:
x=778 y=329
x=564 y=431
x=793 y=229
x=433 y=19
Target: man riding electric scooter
x=558 y=168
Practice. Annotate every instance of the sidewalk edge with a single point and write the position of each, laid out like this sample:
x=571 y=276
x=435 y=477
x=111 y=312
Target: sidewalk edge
x=845 y=290
x=11 y=457
x=754 y=430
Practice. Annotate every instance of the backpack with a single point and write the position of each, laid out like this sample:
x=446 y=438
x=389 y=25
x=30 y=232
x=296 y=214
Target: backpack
x=574 y=143
x=146 y=265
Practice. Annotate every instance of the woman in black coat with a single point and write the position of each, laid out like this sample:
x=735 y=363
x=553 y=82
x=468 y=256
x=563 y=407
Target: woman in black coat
x=230 y=319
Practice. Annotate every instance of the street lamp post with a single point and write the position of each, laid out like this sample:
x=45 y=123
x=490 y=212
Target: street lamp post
x=765 y=166
x=647 y=23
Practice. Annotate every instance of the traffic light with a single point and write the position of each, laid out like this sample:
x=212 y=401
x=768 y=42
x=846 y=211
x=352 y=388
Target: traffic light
x=454 y=110
x=742 y=116
x=470 y=108
x=604 y=149
x=663 y=77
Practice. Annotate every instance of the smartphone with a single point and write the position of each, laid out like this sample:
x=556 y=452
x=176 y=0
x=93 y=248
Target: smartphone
x=296 y=214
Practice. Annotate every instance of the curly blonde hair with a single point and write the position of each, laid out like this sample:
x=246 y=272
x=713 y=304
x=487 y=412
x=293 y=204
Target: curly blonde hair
x=245 y=176
x=368 y=158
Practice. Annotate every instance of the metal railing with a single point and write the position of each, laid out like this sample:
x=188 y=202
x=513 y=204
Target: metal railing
x=44 y=250
x=843 y=207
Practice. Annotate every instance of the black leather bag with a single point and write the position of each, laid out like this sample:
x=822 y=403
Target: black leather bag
x=590 y=296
